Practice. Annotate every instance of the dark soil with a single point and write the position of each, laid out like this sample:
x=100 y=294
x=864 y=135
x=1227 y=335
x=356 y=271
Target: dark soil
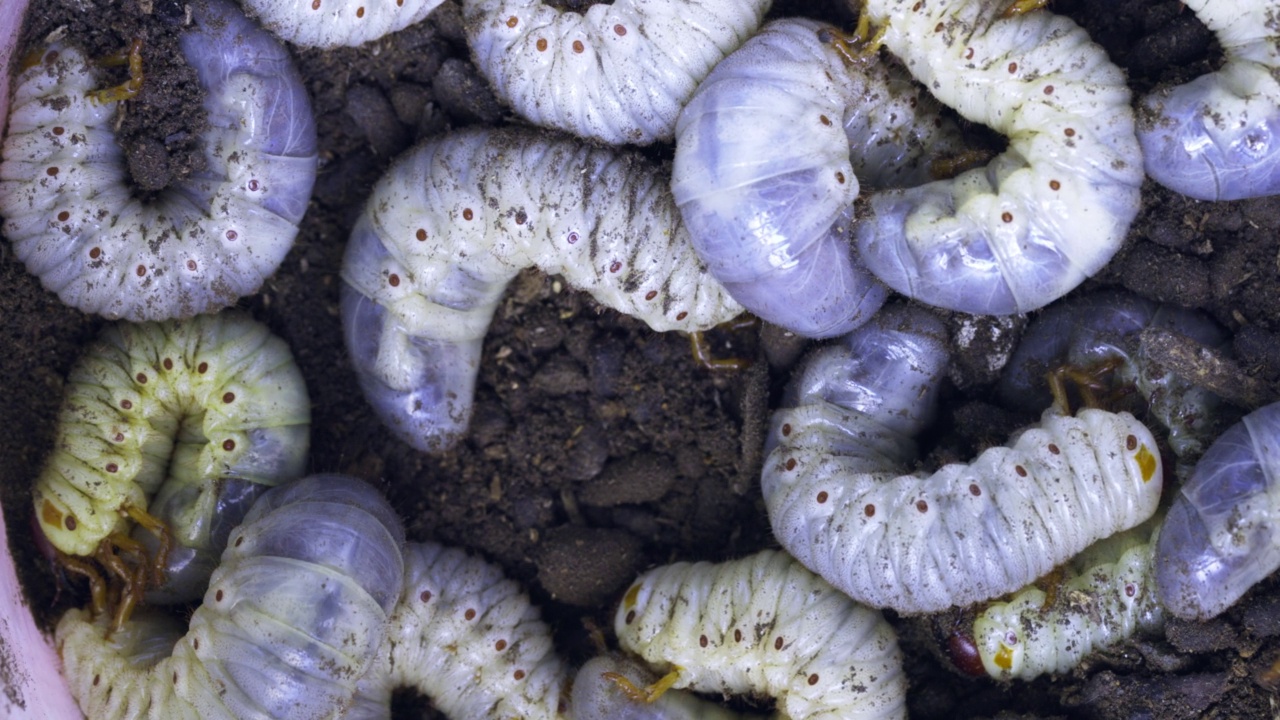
x=600 y=448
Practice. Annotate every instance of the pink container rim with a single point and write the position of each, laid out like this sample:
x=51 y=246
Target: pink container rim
x=31 y=682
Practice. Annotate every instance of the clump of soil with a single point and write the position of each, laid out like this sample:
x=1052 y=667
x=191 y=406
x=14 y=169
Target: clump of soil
x=598 y=447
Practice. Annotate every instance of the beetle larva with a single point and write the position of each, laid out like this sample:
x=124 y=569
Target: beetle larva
x=453 y=221
x=765 y=625
x=338 y=23
x=1219 y=538
x=206 y=240
x=838 y=500
x=468 y=638
x=1045 y=214
x=183 y=417
x=292 y=618
x=1215 y=138
x=1110 y=594
x=1104 y=328
x=618 y=72
x=771 y=153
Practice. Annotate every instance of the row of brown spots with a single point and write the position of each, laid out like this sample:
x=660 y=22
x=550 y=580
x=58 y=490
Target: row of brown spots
x=620 y=30
x=615 y=266
x=513 y=21
x=141 y=270
x=822 y=496
x=922 y=506
x=470 y=614
x=1022 y=472
x=393 y=280
x=541 y=45
x=228 y=445
x=228 y=397
x=52 y=172
x=578 y=47
x=421 y=235
x=467 y=214
x=651 y=295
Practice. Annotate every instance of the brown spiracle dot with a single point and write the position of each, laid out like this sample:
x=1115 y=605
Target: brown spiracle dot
x=513 y=21
x=112 y=467
x=1130 y=589
x=360 y=12
x=126 y=404
x=500 y=645
x=70 y=522
x=52 y=57
x=239 y=541
x=217 y=597
x=651 y=295
x=141 y=378
x=813 y=679
x=1013 y=67
x=968 y=53
x=578 y=47
x=253 y=184
x=232 y=235
x=1069 y=132
x=191 y=265
x=52 y=172
x=421 y=235
x=681 y=315
x=228 y=445
x=467 y=214
x=1006 y=216
x=195 y=644
x=393 y=280
x=620 y=30
x=315 y=4
x=791 y=464
x=95 y=253
x=1048 y=89
x=97 y=679
x=631 y=616
x=786 y=429
x=869 y=510
x=974 y=490
x=399 y=3
x=1055 y=185
x=522 y=217
x=58 y=130
x=470 y=614
x=228 y=397
x=938 y=28
x=1054 y=449
x=1131 y=442
x=202 y=368
x=737 y=635
x=777 y=644
x=822 y=496
x=119 y=437
x=840 y=177
x=615 y=266
x=64 y=216
x=175 y=677
x=542 y=44
x=702 y=641
x=922 y=506
x=425 y=596
x=917 y=6
x=519 y=674
x=572 y=238
x=1022 y=472
x=141 y=270
x=824 y=120
x=167 y=363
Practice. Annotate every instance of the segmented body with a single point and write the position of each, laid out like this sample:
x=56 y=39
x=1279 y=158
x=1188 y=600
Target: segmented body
x=1109 y=595
x=1104 y=328
x=338 y=23
x=838 y=498
x=467 y=637
x=205 y=240
x=765 y=625
x=618 y=72
x=1219 y=538
x=770 y=155
x=1218 y=136
x=184 y=417
x=452 y=223
x=1050 y=210
x=292 y=617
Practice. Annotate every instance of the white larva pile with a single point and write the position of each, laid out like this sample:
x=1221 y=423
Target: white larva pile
x=1220 y=535
x=597 y=695
x=466 y=636
x=617 y=73
x=771 y=153
x=454 y=220
x=1109 y=595
x=1050 y=210
x=205 y=240
x=1218 y=136
x=337 y=23
x=838 y=500
x=765 y=625
x=292 y=618
x=182 y=417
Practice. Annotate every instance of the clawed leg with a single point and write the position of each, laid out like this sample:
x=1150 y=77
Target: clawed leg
x=160 y=529
x=650 y=692
x=1088 y=381
x=89 y=571
x=856 y=47
x=129 y=88
x=702 y=349
x=1022 y=7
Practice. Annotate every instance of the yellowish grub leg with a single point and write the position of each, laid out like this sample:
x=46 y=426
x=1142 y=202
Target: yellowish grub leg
x=129 y=88
x=649 y=693
x=1022 y=7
